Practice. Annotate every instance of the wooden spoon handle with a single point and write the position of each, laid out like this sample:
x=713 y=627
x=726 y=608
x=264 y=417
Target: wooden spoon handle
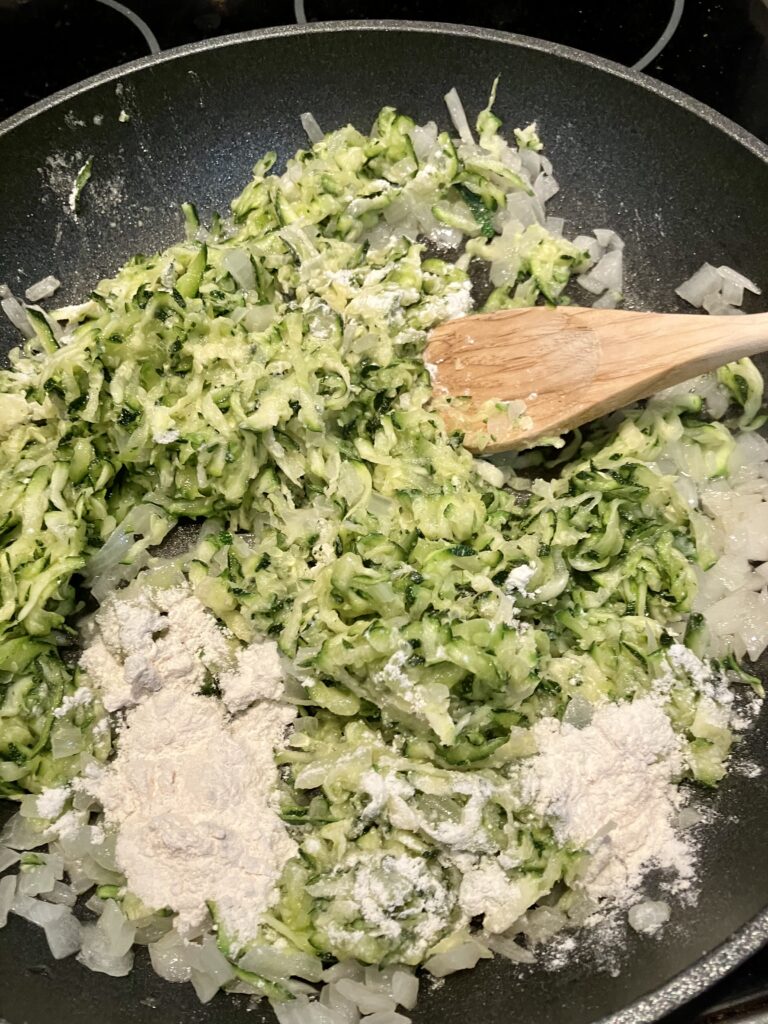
x=662 y=350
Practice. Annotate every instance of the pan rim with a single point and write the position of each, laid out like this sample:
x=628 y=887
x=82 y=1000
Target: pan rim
x=638 y=78
x=720 y=961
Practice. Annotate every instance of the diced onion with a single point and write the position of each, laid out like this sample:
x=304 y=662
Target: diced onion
x=544 y=923
x=334 y=1000
x=168 y=957
x=649 y=916
x=364 y=998
x=61 y=893
x=201 y=963
x=66 y=739
x=378 y=980
x=729 y=274
x=704 y=282
x=8 y=857
x=36 y=911
x=510 y=949
x=608 y=239
x=545 y=187
x=274 y=965
x=20 y=835
x=405 y=988
x=118 y=931
x=523 y=208
x=95 y=953
x=312 y=128
x=732 y=292
x=607 y=274
x=237 y=262
x=461 y=958
x=7 y=896
x=715 y=305
x=204 y=985
x=302 y=1011
x=105 y=854
x=459 y=117
x=743 y=615
x=530 y=162
x=424 y=139
x=16 y=313
x=36 y=880
x=63 y=934
x=687 y=817
x=42 y=289
x=608 y=300
x=207 y=959
x=753 y=448
x=259 y=318
x=589 y=245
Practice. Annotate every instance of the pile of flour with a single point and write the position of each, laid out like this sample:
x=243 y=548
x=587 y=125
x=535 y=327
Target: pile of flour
x=192 y=789
x=610 y=788
x=156 y=639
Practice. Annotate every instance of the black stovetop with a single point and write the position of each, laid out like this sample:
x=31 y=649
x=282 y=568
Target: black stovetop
x=715 y=50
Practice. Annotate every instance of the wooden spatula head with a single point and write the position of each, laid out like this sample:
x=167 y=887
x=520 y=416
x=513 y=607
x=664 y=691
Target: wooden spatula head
x=510 y=378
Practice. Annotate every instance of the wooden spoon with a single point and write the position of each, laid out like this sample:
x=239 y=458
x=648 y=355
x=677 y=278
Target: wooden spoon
x=569 y=365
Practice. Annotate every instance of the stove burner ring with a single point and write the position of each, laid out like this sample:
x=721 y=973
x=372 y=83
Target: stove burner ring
x=149 y=36
x=672 y=27
x=678 y=6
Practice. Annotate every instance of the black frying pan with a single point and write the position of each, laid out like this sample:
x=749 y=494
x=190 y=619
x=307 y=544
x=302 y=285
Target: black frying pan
x=681 y=184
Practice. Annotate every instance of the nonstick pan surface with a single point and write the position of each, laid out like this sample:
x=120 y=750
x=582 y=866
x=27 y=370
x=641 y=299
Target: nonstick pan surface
x=680 y=184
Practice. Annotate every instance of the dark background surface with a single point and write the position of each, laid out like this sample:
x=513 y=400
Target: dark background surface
x=718 y=54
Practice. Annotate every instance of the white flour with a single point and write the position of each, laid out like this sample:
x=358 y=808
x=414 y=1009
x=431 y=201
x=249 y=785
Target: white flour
x=257 y=675
x=519 y=578
x=191 y=790
x=397 y=893
x=80 y=698
x=467 y=833
x=487 y=890
x=51 y=802
x=516 y=583
x=609 y=789
x=152 y=640
x=193 y=805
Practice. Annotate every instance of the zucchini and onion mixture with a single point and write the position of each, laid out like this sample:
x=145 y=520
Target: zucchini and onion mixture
x=263 y=379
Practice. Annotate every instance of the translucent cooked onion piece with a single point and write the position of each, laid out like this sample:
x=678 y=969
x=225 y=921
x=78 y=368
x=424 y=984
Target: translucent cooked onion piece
x=16 y=313
x=405 y=988
x=7 y=897
x=648 y=917
x=169 y=959
x=311 y=127
x=42 y=289
x=8 y=857
x=96 y=953
x=458 y=116
x=275 y=965
x=705 y=281
x=367 y=1000
x=460 y=958
x=509 y=948
x=63 y=935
